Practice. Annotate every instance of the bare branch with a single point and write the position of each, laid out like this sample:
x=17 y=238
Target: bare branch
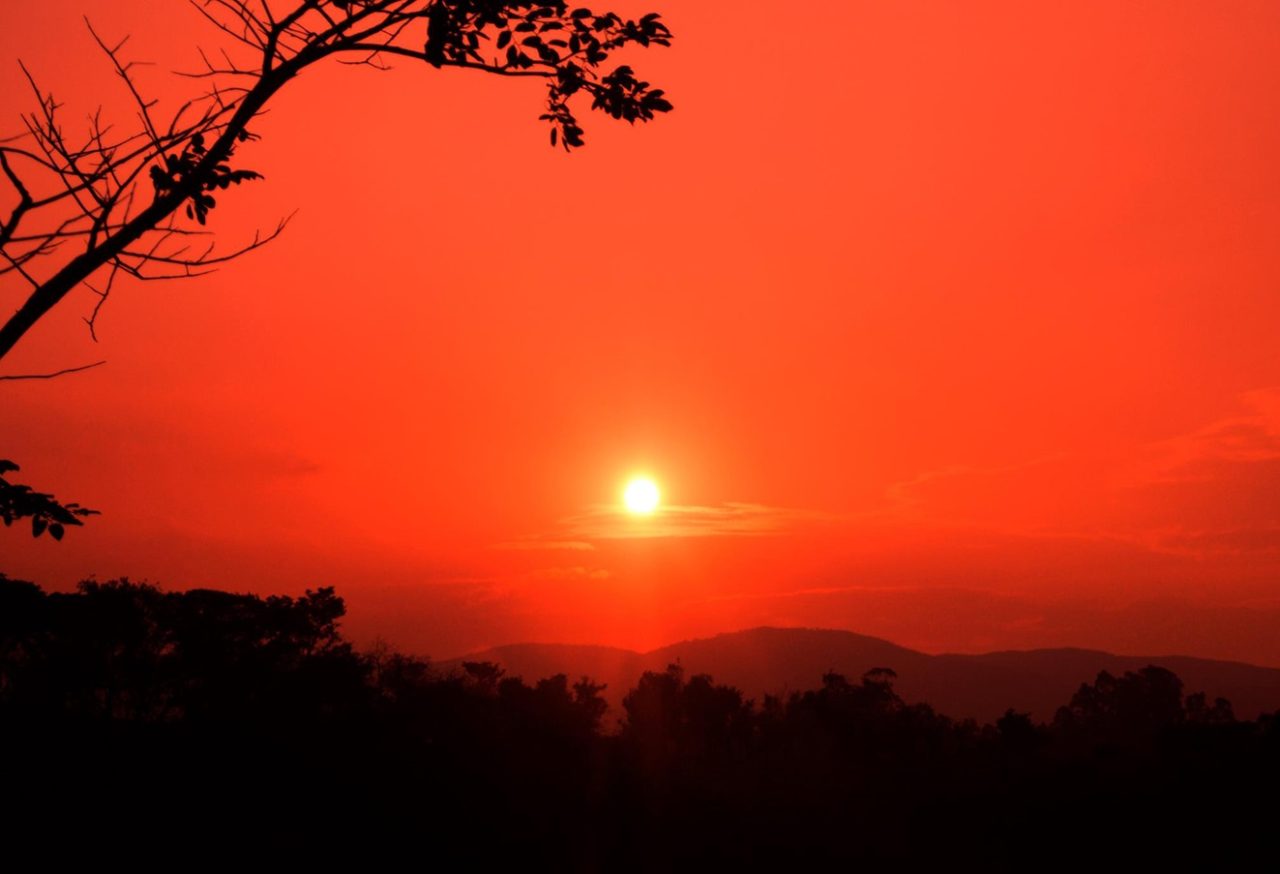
x=24 y=201
x=55 y=374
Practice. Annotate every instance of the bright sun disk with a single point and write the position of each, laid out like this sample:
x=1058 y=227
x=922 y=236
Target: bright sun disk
x=641 y=495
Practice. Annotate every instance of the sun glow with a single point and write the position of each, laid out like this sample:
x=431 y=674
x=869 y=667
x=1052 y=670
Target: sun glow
x=641 y=495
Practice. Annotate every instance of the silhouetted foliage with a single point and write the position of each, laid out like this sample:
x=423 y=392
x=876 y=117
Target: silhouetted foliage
x=1134 y=705
x=120 y=196
x=1017 y=731
x=45 y=511
x=157 y=724
x=1200 y=711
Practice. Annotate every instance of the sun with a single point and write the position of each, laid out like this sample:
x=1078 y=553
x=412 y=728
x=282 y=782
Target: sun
x=641 y=495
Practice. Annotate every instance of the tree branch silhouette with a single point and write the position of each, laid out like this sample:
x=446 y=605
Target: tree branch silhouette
x=88 y=211
x=46 y=512
x=63 y=372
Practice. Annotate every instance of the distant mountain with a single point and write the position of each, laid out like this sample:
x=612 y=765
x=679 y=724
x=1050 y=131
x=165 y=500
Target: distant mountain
x=781 y=660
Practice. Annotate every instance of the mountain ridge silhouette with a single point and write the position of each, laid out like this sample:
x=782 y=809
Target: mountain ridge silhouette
x=775 y=660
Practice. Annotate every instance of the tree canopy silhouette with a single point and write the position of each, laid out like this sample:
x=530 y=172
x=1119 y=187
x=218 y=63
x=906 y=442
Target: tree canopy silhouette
x=155 y=722
x=1134 y=704
x=135 y=204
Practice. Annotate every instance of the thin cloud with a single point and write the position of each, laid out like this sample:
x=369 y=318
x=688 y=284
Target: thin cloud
x=575 y=573
x=1209 y=491
x=732 y=519
x=1244 y=439
x=533 y=543
x=914 y=491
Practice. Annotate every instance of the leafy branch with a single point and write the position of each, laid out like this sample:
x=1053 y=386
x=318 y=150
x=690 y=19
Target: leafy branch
x=84 y=215
x=45 y=511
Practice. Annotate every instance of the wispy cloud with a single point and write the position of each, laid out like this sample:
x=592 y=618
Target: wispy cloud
x=732 y=519
x=1249 y=438
x=1207 y=491
x=576 y=573
x=535 y=543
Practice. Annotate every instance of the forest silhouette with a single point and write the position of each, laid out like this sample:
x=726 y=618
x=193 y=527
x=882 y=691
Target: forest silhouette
x=175 y=728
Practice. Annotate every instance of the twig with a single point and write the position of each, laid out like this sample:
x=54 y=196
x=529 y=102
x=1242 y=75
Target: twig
x=56 y=373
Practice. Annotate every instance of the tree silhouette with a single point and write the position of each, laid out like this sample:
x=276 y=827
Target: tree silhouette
x=129 y=651
x=156 y=722
x=1133 y=705
x=135 y=204
x=1200 y=711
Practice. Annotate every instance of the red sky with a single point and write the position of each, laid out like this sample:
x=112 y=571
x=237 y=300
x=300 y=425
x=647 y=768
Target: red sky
x=953 y=323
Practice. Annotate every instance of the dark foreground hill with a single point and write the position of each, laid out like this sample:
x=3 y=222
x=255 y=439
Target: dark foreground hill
x=777 y=661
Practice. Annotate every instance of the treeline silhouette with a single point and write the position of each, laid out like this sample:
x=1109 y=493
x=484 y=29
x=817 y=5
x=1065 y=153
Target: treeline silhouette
x=179 y=728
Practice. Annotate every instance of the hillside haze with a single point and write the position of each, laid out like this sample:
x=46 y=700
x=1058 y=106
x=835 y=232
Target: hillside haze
x=777 y=661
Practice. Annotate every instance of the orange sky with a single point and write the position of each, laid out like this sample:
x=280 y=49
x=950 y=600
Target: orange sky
x=952 y=323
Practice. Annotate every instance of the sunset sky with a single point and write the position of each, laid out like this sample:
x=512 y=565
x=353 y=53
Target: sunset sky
x=950 y=323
